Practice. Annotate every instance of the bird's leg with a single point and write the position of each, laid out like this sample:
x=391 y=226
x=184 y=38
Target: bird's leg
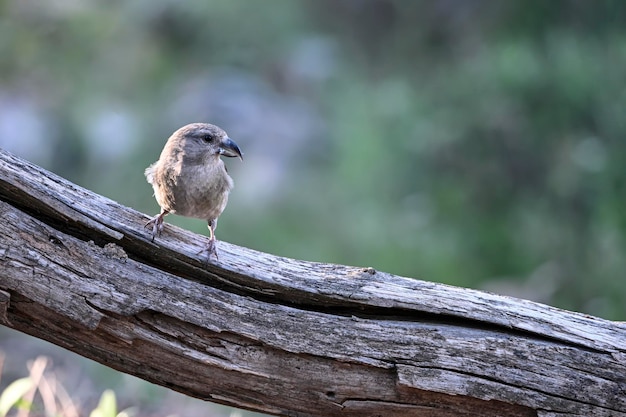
x=157 y=223
x=212 y=247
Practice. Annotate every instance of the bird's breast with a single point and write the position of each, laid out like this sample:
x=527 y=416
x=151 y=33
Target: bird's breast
x=199 y=190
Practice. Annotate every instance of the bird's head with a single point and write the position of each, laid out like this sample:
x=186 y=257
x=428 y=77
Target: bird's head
x=200 y=140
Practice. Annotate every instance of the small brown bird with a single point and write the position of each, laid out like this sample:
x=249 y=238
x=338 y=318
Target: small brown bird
x=190 y=179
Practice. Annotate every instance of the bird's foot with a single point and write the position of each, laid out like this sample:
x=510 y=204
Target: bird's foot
x=156 y=224
x=211 y=249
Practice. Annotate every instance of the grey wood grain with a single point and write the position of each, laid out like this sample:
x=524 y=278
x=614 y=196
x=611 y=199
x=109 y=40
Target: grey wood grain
x=283 y=336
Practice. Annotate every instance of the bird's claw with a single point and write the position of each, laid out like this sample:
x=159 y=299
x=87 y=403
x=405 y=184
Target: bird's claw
x=156 y=223
x=211 y=249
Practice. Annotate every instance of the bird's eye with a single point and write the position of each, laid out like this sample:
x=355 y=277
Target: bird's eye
x=207 y=138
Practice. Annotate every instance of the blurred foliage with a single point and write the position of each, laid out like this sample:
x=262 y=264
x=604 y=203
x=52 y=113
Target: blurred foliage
x=52 y=399
x=477 y=143
x=107 y=407
x=12 y=395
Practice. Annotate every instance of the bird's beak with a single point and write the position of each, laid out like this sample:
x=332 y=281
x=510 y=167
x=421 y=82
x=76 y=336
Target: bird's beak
x=230 y=148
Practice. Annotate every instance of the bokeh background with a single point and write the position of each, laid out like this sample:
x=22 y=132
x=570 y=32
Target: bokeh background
x=476 y=143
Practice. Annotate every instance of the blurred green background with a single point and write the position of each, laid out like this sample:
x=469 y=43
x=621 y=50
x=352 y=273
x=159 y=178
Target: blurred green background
x=476 y=143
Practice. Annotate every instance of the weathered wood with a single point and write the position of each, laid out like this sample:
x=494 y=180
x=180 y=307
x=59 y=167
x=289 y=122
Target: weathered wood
x=282 y=336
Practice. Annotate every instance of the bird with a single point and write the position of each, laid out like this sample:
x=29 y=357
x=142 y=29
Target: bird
x=190 y=179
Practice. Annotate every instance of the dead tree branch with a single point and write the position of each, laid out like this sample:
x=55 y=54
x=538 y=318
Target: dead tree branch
x=282 y=336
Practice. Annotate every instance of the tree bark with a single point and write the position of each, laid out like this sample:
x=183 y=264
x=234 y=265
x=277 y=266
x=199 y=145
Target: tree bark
x=283 y=336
